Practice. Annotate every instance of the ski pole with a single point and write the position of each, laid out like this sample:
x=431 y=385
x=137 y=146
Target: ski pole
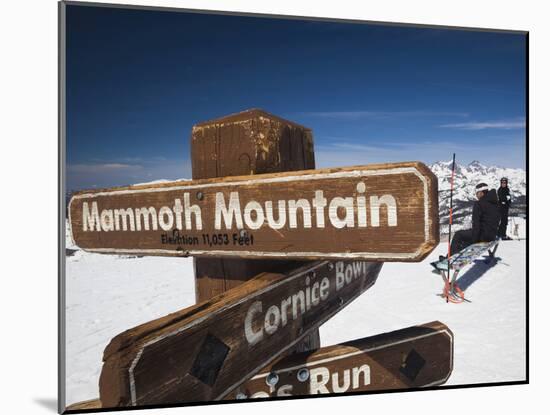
x=450 y=223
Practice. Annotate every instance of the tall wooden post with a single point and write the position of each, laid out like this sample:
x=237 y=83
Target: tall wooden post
x=246 y=143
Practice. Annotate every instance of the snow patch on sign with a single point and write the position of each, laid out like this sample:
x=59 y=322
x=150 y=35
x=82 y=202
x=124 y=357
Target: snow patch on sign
x=160 y=181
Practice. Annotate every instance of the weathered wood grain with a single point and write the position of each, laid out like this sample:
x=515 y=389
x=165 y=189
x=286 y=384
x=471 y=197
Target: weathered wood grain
x=204 y=352
x=247 y=143
x=417 y=356
x=385 y=212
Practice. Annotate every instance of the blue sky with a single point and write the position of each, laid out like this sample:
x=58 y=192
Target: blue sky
x=137 y=81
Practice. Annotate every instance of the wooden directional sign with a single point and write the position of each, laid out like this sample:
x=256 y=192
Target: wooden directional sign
x=417 y=356
x=206 y=351
x=385 y=212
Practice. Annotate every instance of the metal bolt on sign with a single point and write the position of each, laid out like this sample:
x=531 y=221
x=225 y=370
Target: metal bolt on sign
x=302 y=375
x=272 y=379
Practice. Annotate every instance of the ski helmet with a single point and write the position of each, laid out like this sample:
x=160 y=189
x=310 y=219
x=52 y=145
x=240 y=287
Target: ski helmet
x=504 y=179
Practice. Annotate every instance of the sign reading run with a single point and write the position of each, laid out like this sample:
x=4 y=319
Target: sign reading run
x=414 y=357
x=385 y=212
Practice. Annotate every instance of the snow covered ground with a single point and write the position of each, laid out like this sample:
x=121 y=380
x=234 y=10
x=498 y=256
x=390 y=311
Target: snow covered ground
x=108 y=294
x=489 y=332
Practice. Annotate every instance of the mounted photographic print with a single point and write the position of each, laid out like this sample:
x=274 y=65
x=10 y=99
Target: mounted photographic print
x=260 y=207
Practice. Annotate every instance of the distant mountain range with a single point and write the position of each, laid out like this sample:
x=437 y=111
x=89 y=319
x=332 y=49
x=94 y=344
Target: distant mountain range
x=466 y=178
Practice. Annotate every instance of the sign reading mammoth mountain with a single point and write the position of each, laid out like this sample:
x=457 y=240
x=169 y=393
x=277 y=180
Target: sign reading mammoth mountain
x=385 y=212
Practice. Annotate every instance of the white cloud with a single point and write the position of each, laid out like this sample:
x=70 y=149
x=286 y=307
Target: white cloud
x=485 y=125
x=357 y=115
x=116 y=173
x=101 y=167
x=349 y=153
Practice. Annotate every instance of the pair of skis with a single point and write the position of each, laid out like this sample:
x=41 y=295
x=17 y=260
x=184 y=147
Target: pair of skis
x=457 y=262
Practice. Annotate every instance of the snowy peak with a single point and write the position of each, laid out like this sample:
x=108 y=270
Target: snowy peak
x=444 y=164
x=465 y=180
x=476 y=164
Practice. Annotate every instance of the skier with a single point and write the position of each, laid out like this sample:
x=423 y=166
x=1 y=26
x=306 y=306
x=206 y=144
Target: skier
x=504 y=201
x=485 y=220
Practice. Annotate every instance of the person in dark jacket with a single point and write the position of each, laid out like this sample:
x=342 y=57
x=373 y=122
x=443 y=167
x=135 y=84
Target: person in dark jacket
x=485 y=220
x=504 y=201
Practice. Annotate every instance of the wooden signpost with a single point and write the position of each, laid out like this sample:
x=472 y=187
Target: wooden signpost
x=279 y=248
x=206 y=351
x=247 y=143
x=417 y=356
x=385 y=212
